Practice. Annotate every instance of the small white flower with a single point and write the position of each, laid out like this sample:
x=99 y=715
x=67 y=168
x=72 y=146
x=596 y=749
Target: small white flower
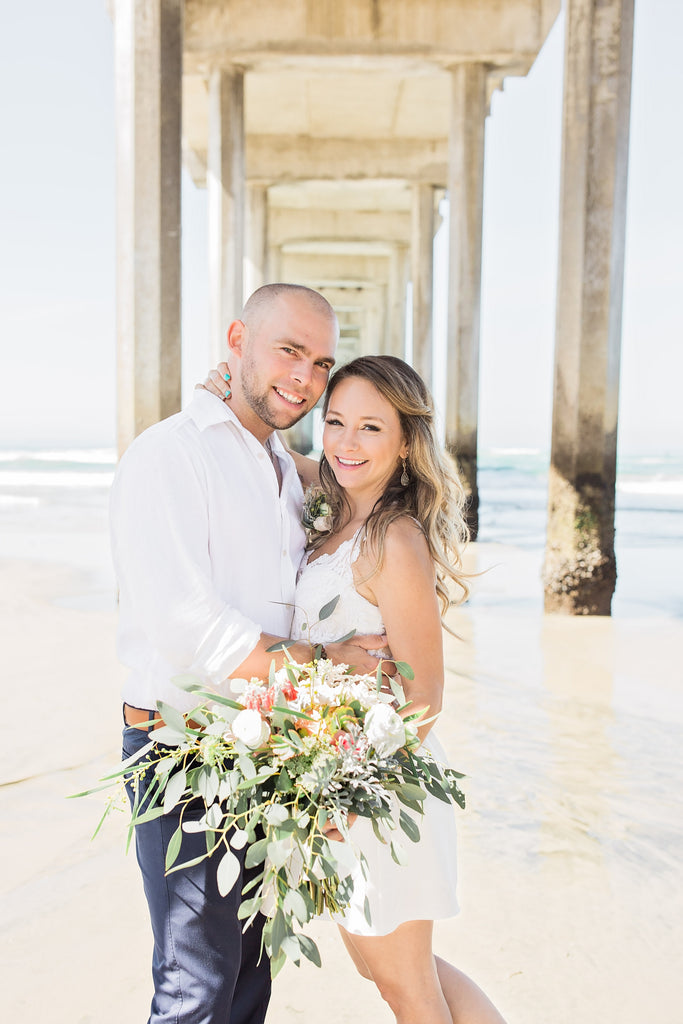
x=322 y=524
x=384 y=729
x=250 y=728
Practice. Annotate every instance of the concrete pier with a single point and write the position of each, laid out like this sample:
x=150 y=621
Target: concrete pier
x=256 y=242
x=148 y=56
x=422 y=279
x=580 y=566
x=334 y=129
x=226 y=185
x=469 y=106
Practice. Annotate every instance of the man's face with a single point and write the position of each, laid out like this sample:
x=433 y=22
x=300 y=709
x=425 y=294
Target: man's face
x=286 y=361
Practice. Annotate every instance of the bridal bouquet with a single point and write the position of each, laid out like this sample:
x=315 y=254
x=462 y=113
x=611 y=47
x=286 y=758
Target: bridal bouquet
x=295 y=755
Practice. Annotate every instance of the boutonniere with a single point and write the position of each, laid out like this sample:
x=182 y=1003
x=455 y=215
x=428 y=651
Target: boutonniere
x=316 y=514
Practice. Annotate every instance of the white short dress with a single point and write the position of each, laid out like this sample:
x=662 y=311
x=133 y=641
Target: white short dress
x=424 y=888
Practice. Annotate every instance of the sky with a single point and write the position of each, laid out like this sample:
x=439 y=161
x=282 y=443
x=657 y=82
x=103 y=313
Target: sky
x=57 y=239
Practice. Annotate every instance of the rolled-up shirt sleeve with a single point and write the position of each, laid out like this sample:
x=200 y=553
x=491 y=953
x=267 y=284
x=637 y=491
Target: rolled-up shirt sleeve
x=161 y=550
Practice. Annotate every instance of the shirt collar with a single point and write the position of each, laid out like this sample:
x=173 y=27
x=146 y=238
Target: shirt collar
x=207 y=410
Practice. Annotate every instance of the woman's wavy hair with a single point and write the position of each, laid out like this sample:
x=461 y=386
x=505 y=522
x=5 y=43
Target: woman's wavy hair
x=434 y=495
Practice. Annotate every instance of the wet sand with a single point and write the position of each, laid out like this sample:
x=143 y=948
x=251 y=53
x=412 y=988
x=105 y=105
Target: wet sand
x=569 y=851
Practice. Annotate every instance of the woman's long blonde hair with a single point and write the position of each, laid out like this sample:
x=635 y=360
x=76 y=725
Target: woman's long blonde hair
x=434 y=496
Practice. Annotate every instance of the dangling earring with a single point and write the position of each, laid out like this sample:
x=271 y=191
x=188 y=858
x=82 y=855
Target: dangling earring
x=405 y=479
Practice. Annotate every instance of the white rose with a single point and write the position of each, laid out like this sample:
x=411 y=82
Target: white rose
x=384 y=729
x=250 y=728
x=321 y=524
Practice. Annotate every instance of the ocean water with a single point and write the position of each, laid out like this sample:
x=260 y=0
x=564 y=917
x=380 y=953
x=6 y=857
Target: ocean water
x=53 y=505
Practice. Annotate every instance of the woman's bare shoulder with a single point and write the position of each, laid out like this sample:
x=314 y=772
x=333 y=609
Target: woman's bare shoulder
x=405 y=545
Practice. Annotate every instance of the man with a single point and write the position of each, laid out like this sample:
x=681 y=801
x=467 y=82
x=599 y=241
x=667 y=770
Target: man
x=207 y=540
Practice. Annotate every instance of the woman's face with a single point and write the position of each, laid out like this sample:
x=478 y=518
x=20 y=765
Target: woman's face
x=362 y=438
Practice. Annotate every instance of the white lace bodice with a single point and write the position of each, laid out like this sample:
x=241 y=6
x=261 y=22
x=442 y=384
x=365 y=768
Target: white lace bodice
x=323 y=579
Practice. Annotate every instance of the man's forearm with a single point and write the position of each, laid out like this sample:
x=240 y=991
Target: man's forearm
x=257 y=663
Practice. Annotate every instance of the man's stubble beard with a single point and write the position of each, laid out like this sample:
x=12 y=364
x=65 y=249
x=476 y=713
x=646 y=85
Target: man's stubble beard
x=258 y=401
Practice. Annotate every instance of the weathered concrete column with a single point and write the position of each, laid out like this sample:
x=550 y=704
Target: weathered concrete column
x=580 y=567
x=395 y=335
x=466 y=199
x=226 y=201
x=422 y=277
x=256 y=261
x=148 y=57
x=275 y=263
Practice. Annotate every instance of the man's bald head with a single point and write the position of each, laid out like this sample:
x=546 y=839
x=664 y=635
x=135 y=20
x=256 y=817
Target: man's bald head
x=266 y=298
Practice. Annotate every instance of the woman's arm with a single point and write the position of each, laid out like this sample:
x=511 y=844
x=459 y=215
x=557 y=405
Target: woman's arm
x=308 y=469
x=405 y=593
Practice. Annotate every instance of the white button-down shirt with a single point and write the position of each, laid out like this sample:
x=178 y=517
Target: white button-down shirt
x=205 y=549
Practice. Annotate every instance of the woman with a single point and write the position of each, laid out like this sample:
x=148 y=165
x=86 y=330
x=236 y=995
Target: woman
x=391 y=555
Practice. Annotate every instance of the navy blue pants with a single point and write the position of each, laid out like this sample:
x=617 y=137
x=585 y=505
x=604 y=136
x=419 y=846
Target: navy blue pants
x=205 y=970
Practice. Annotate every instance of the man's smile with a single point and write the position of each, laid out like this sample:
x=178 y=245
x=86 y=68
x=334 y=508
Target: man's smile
x=288 y=397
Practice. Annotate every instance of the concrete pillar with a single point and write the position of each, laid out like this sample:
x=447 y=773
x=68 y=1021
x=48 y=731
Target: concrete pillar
x=399 y=271
x=466 y=197
x=226 y=202
x=580 y=567
x=422 y=277
x=275 y=263
x=256 y=262
x=148 y=59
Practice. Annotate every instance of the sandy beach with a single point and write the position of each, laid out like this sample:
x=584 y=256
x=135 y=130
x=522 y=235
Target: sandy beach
x=569 y=852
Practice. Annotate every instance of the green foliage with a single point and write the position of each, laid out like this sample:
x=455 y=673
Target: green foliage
x=277 y=800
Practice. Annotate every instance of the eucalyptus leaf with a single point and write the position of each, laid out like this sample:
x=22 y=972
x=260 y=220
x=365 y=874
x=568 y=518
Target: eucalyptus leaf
x=171 y=716
x=246 y=766
x=256 y=853
x=328 y=608
x=411 y=791
x=290 y=947
x=194 y=825
x=227 y=702
x=279 y=852
x=175 y=788
x=276 y=964
x=188 y=682
x=249 y=907
x=295 y=904
x=347 y=636
x=239 y=839
x=281 y=645
x=214 y=816
x=275 y=814
x=397 y=690
x=167 y=736
x=173 y=848
x=227 y=873
x=366 y=911
x=310 y=950
x=278 y=931
x=409 y=826
x=151 y=815
x=404 y=669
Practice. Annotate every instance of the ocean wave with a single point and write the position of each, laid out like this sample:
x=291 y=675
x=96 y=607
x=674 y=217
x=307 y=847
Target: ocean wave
x=18 y=501
x=664 y=487
x=90 y=456
x=513 y=451
x=31 y=478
